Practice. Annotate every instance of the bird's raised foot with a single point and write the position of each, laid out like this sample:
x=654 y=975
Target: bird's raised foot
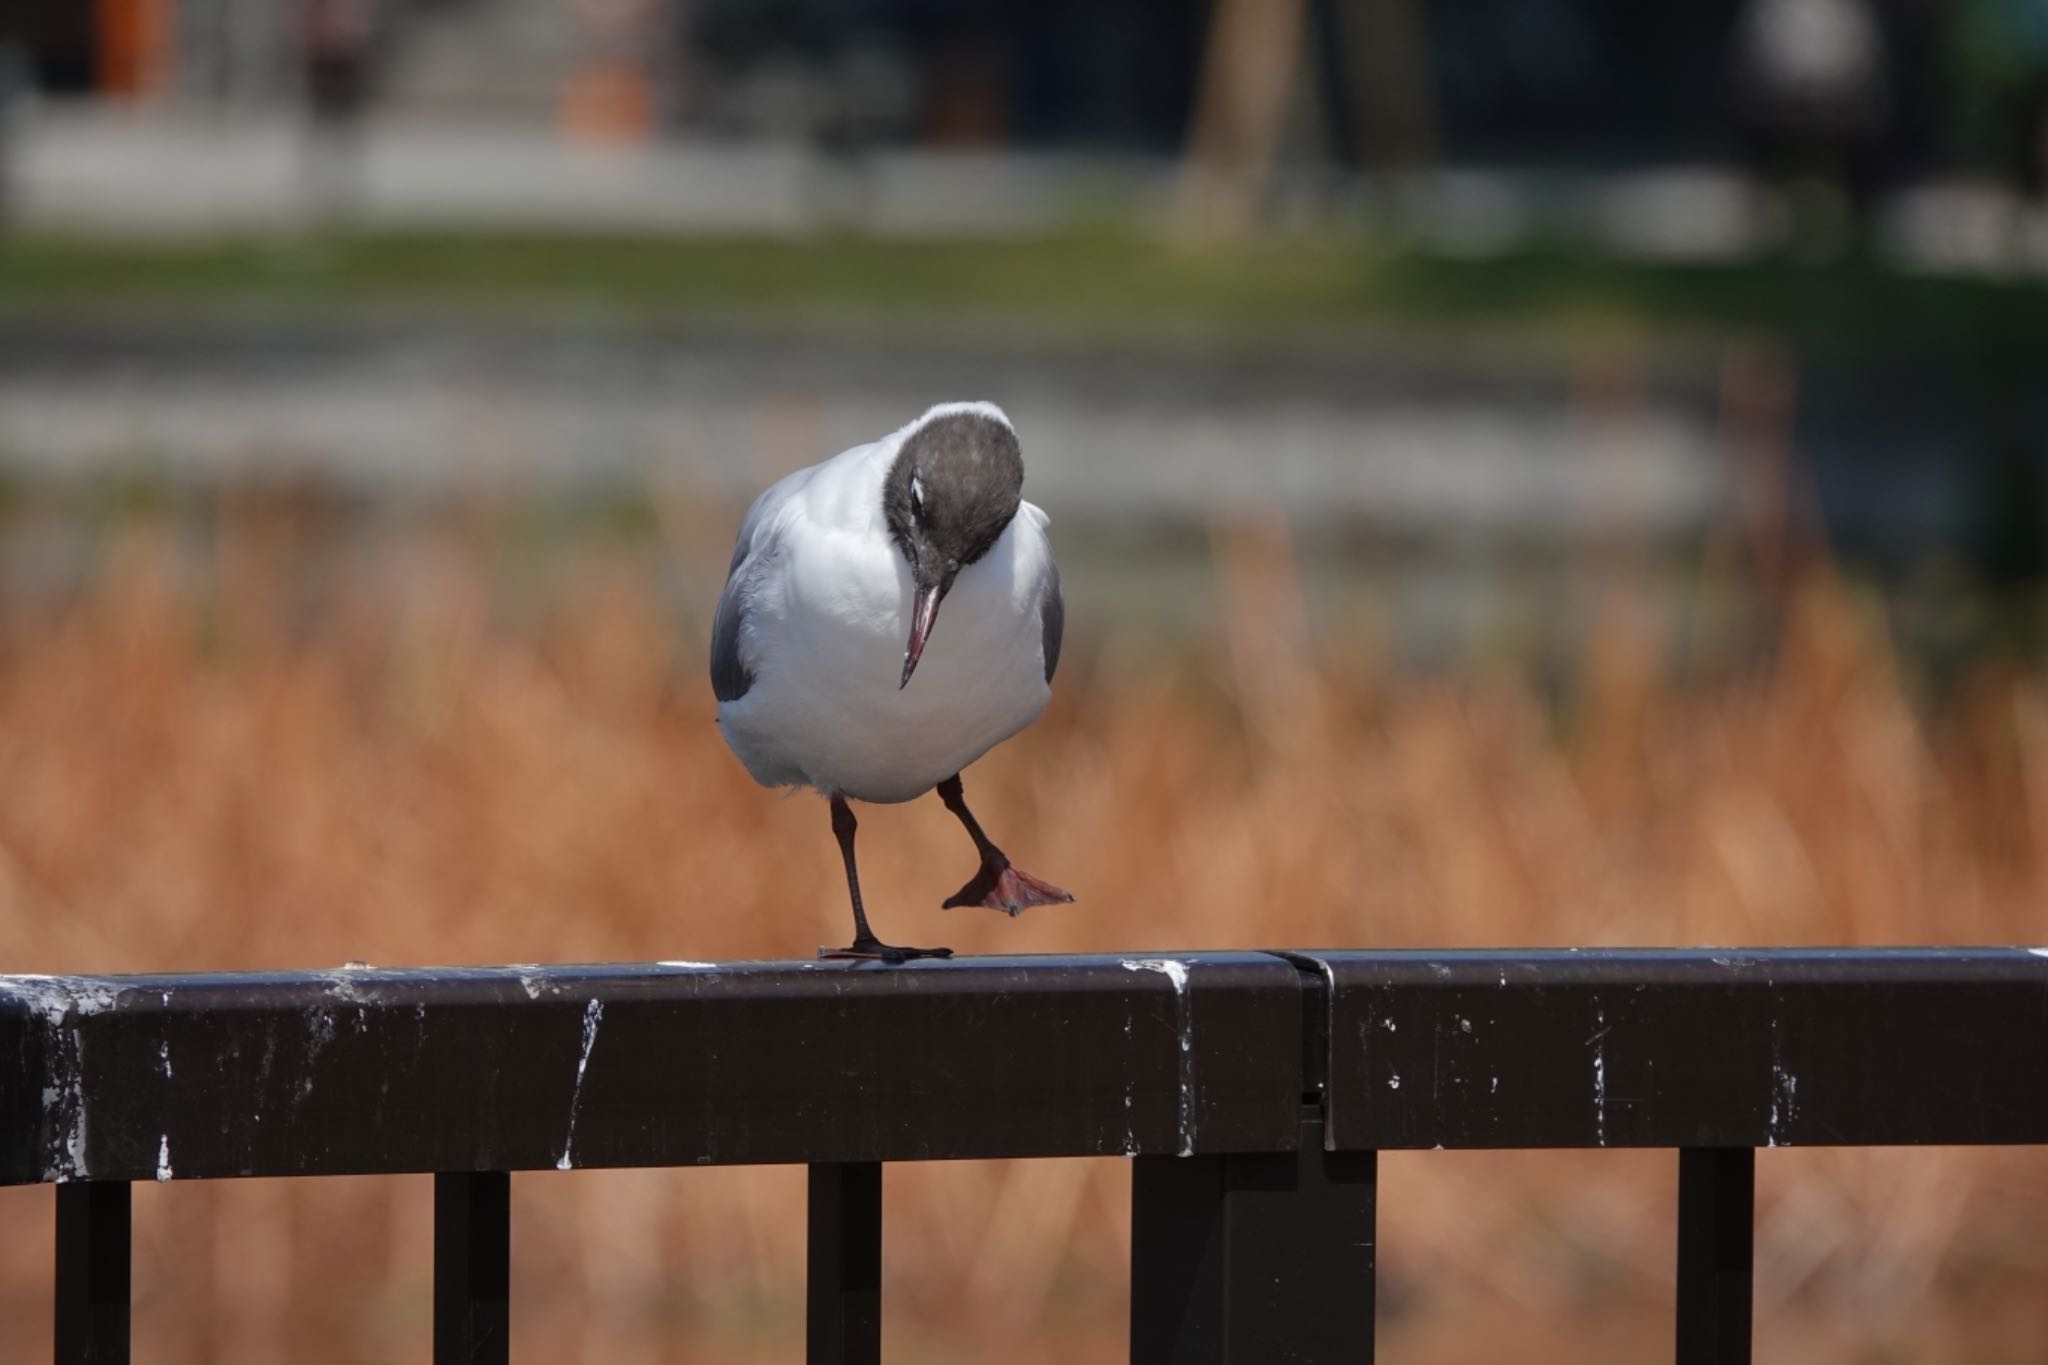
x=999 y=886
x=874 y=950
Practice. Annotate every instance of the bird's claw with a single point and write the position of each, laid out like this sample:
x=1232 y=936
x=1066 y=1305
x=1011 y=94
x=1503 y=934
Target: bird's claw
x=874 y=950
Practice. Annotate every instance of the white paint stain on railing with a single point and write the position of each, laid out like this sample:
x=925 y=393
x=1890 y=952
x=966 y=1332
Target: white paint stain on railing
x=60 y=1002
x=1599 y=1042
x=593 y=1013
x=1177 y=973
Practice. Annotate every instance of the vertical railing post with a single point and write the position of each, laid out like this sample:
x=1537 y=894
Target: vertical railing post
x=1244 y=1259
x=472 y=1268
x=1716 y=1206
x=92 y=1273
x=844 y=1292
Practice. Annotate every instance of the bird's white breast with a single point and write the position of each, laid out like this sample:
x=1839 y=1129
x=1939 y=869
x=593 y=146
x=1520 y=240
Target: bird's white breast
x=824 y=636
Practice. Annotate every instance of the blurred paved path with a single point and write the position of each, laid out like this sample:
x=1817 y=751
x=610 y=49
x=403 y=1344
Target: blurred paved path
x=104 y=169
x=92 y=167
x=1443 y=443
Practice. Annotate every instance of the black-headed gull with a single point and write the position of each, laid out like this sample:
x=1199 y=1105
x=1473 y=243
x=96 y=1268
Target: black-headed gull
x=825 y=659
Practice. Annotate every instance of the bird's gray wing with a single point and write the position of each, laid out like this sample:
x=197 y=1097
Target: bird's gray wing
x=730 y=676
x=756 y=546
x=1052 y=618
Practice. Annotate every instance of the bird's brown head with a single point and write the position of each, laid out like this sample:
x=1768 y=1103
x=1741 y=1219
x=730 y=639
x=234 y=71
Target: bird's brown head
x=954 y=488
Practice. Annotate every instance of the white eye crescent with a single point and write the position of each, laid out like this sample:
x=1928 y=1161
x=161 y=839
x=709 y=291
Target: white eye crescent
x=916 y=495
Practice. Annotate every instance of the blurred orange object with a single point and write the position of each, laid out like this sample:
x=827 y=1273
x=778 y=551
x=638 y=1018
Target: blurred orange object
x=135 y=47
x=608 y=101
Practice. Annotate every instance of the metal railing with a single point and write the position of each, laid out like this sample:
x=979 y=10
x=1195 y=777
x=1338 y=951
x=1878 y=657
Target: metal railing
x=1252 y=1091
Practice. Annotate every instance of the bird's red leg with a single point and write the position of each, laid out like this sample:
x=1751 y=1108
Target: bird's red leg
x=998 y=885
x=865 y=945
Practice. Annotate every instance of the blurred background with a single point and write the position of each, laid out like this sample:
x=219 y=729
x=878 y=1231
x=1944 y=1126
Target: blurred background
x=1526 y=472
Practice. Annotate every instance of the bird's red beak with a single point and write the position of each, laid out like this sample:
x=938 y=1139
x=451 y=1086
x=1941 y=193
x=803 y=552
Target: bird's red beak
x=923 y=612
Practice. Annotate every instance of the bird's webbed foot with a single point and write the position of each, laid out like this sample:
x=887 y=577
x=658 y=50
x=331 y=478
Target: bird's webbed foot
x=1000 y=886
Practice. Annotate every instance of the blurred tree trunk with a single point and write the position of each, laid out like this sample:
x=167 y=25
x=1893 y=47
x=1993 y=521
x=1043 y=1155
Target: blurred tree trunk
x=1384 y=44
x=1374 y=49
x=1248 y=75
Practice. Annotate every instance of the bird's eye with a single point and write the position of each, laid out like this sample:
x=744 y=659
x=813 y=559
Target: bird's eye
x=917 y=497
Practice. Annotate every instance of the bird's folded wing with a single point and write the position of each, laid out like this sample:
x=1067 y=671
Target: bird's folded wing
x=757 y=546
x=730 y=676
x=1052 y=617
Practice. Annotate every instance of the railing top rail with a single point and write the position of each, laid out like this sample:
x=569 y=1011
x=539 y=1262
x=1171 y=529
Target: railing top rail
x=526 y=1067
x=657 y=1064
x=1720 y=1047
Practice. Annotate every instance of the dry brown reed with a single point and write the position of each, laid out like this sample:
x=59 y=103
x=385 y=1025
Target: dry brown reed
x=202 y=768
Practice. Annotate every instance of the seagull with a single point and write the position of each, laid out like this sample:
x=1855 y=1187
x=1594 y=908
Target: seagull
x=825 y=657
